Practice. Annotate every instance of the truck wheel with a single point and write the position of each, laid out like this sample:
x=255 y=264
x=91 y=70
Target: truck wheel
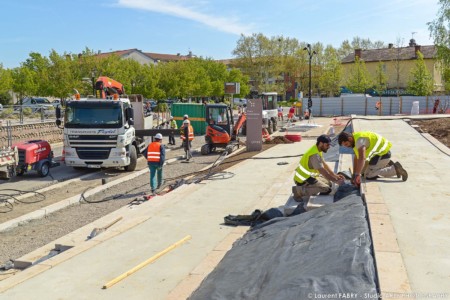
x=44 y=170
x=206 y=149
x=133 y=160
x=269 y=127
x=274 y=125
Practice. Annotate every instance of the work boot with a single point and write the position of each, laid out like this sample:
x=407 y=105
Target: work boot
x=297 y=191
x=400 y=171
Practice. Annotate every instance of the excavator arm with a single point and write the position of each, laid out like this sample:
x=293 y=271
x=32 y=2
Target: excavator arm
x=239 y=123
x=105 y=86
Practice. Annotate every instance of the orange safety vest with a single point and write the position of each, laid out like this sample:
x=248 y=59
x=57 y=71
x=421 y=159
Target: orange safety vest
x=191 y=133
x=154 y=152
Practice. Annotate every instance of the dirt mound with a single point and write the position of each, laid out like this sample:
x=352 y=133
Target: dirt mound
x=438 y=128
x=279 y=140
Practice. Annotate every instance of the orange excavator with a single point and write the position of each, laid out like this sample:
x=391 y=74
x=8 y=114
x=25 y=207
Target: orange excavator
x=221 y=131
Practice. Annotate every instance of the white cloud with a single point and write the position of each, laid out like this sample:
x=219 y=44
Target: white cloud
x=228 y=24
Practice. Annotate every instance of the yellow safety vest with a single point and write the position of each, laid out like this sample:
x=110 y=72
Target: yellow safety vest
x=378 y=144
x=303 y=171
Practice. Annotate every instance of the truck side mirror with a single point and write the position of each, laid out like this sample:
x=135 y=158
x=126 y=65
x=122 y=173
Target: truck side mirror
x=129 y=113
x=58 y=122
x=58 y=112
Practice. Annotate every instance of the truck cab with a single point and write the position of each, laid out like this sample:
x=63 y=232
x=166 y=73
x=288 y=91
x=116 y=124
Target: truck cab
x=270 y=112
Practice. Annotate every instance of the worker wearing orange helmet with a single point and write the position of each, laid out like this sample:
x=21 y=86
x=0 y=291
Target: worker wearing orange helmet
x=156 y=154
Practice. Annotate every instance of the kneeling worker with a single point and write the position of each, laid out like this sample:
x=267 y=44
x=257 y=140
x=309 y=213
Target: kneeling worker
x=371 y=151
x=156 y=154
x=313 y=175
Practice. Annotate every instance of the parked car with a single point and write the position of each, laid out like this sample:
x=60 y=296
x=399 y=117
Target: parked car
x=240 y=102
x=1 y=107
x=56 y=102
x=35 y=103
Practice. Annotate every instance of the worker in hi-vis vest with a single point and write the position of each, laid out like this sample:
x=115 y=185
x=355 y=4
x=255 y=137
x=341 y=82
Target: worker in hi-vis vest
x=173 y=125
x=372 y=156
x=313 y=175
x=187 y=131
x=156 y=154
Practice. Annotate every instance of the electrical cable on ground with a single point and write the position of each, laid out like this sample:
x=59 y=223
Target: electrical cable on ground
x=8 y=204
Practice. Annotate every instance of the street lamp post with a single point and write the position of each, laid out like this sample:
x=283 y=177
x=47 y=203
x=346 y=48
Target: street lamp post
x=310 y=54
x=93 y=81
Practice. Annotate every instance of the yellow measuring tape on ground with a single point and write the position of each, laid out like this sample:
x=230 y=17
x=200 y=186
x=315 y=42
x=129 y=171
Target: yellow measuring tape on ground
x=148 y=261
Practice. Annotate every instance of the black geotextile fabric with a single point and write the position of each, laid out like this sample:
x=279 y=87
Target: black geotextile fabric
x=325 y=251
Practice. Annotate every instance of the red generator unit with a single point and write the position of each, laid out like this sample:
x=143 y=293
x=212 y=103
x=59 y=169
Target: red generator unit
x=34 y=155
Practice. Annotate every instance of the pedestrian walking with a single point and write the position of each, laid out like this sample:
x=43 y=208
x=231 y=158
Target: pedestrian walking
x=156 y=154
x=372 y=156
x=313 y=175
x=187 y=135
x=280 y=113
x=173 y=125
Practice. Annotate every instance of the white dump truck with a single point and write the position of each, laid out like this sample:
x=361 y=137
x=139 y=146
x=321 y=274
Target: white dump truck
x=100 y=132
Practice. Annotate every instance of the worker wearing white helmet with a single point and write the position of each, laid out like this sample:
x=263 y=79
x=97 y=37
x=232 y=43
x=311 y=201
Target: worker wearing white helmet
x=187 y=131
x=156 y=155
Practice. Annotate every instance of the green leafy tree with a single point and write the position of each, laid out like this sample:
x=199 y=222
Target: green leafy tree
x=420 y=82
x=331 y=75
x=23 y=82
x=440 y=31
x=5 y=85
x=264 y=60
x=62 y=79
x=359 y=80
x=381 y=78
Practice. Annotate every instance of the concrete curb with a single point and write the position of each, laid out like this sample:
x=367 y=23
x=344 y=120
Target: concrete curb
x=43 y=212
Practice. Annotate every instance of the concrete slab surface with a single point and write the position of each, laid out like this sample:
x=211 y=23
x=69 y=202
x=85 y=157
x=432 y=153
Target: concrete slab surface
x=419 y=208
x=198 y=212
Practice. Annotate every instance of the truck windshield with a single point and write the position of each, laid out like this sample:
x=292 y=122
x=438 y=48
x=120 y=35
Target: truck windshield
x=98 y=114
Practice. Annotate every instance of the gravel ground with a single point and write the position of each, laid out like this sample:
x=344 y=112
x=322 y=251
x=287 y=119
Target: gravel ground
x=37 y=233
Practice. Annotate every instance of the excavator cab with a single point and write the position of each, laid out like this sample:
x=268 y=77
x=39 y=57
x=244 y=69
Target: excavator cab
x=220 y=131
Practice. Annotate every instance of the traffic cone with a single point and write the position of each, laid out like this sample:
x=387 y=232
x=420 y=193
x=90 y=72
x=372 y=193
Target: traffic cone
x=265 y=135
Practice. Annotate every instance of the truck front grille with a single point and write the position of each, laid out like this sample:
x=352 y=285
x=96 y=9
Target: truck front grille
x=93 y=153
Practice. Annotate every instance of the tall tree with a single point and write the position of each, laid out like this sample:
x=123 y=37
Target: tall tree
x=380 y=79
x=264 y=60
x=359 y=80
x=332 y=72
x=5 y=85
x=440 y=31
x=420 y=82
x=23 y=82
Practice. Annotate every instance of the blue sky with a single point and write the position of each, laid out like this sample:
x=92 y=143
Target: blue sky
x=208 y=28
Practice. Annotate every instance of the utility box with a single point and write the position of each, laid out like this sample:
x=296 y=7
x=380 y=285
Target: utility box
x=196 y=113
